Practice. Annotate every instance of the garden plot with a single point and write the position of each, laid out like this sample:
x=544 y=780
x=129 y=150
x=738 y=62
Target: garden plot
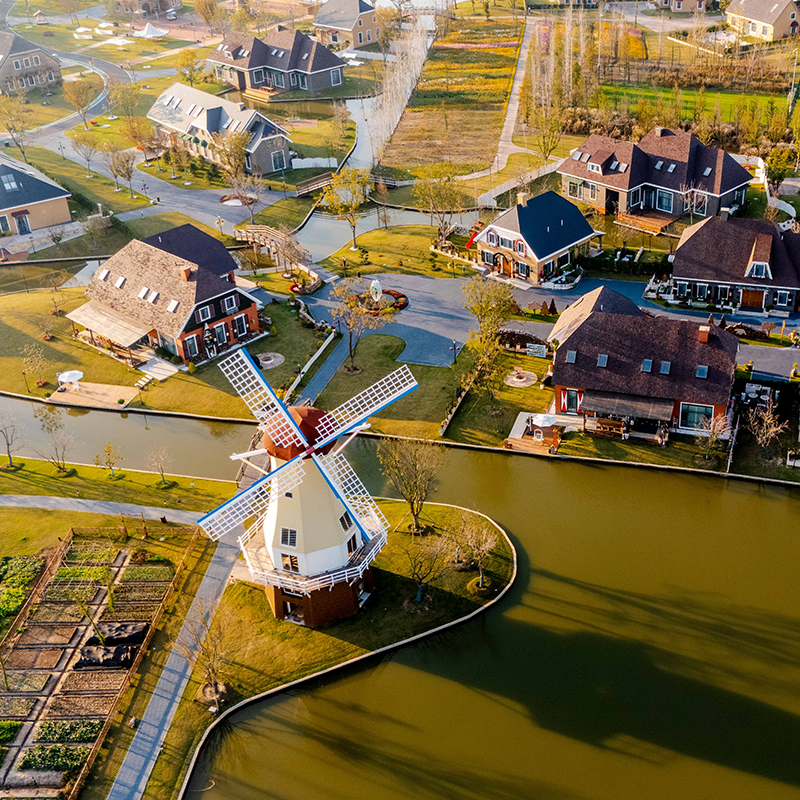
x=71 y=731
x=87 y=554
x=94 y=681
x=53 y=758
x=25 y=681
x=39 y=635
x=71 y=592
x=81 y=574
x=56 y=613
x=147 y=573
x=16 y=576
x=16 y=707
x=33 y=659
x=140 y=593
x=83 y=705
x=129 y=612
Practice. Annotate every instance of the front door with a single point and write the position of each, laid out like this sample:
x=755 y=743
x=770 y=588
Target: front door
x=752 y=298
x=572 y=401
x=648 y=198
x=23 y=226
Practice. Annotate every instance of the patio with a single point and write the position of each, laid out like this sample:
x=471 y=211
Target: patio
x=94 y=395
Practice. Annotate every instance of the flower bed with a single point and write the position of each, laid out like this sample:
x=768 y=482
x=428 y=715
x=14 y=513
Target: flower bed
x=81 y=705
x=129 y=612
x=47 y=634
x=16 y=576
x=33 y=659
x=8 y=731
x=89 y=554
x=146 y=573
x=74 y=730
x=93 y=681
x=53 y=757
x=56 y=613
x=16 y=706
x=60 y=592
x=140 y=593
x=26 y=681
x=88 y=574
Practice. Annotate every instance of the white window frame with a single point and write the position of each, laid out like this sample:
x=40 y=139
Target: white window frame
x=187 y=348
x=369 y=35
x=659 y=194
x=31 y=80
x=274 y=154
x=636 y=198
x=244 y=327
x=336 y=77
x=593 y=191
x=288 y=535
x=575 y=190
x=702 y=291
x=204 y=313
x=17 y=64
x=36 y=61
x=487 y=257
x=258 y=76
x=220 y=326
x=302 y=82
x=561 y=262
x=346 y=521
x=279 y=80
x=360 y=23
x=360 y=37
x=293 y=79
x=26 y=62
x=782 y=302
x=23 y=225
x=229 y=304
x=4 y=226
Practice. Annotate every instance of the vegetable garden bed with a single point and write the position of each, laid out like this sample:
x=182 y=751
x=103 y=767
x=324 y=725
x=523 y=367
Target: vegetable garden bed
x=47 y=634
x=33 y=659
x=88 y=554
x=80 y=705
x=87 y=574
x=57 y=613
x=26 y=681
x=16 y=576
x=53 y=757
x=148 y=572
x=8 y=731
x=88 y=681
x=129 y=612
x=16 y=706
x=60 y=592
x=77 y=730
x=140 y=593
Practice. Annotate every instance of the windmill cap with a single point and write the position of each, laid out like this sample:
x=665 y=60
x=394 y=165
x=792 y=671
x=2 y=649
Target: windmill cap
x=308 y=420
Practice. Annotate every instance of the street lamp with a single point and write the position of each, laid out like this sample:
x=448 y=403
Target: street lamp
x=24 y=375
x=61 y=149
x=144 y=189
x=219 y=223
x=454 y=348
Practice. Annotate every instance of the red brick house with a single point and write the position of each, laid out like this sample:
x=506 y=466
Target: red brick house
x=175 y=291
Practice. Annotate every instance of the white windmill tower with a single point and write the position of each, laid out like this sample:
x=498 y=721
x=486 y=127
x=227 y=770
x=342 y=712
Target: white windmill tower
x=313 y=528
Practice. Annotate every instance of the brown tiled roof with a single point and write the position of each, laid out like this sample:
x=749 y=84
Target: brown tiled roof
x=628 y=339
x=599 y=299
x=759 y=10
x=688 y=157
x=720 y=250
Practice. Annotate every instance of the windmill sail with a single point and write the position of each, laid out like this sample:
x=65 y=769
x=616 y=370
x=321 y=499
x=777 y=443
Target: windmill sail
x=358 y=409
x=245 y=376
x=254 y=500
x=351 y=491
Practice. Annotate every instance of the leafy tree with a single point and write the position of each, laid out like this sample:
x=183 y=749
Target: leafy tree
x=124 y=98
x=189 y=66
x=440 y=194
x=79 y=94
x=490 y=302
x=14 y=120
x=109 y=458
x=139 y=131
x=347 y=313
x=33 y=360
x=347 y=192
x=779 y=163
x=208 y=11
x=241 y=21
x=231 y=151
x=83 y=144
x=123 y=165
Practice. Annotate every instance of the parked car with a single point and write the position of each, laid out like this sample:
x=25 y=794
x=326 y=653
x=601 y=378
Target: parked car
x=172 y=14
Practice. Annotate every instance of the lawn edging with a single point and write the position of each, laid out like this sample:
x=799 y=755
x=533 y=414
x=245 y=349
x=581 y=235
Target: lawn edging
x=380 y=651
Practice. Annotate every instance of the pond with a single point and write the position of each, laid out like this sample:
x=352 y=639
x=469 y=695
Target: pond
x=649 y=649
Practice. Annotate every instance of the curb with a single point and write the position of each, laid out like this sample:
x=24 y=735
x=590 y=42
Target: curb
x=380 y=651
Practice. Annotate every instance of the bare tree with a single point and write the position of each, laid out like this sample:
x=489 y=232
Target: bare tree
x=80 y=94
x=56 y=235
x=33 y=360
x=765 y=425
x=230 y=150
x=411 y=467
x=711 y=434
x=123 y=165
x=490 y=302
x=10 y=434
x=70 y=8
x=290 y=249
x=355 y=320
x=109 y=458
x=15 y=120
x=440 y=194
x=124 y=98
x=477 y=542
x=59 y=441
x=249 y=189
x=344 y=196
x=84 y=145
x=205 y=644
x=93 y=228
x=430 y=558
x=157 y=459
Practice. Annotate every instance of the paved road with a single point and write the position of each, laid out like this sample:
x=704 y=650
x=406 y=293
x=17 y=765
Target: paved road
x=659 y=22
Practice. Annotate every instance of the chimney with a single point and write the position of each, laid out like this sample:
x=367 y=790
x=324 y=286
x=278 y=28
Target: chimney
x=185 y=273
x=702 y=333
x=724 y=212
x=659 y=131
x=520 y=198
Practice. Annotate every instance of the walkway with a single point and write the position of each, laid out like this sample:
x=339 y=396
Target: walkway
x=323 y=375
x=661 y=22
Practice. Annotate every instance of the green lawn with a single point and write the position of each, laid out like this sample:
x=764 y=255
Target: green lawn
x=72 y=176
x=21 y=9
x=171 y=60
x=135 y=50
x=402 y=248
x=44 y=110
x=289 y=211
x=199 y=180
x=59 y=36
x=350 y=87
x=93 y=483
x=476 y=422
x=17 y=276
x=23 y=317
x=418 y=414
x=277 y=652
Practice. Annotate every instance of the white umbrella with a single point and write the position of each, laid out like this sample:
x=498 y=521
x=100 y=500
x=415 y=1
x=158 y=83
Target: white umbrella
x=542 y=420
x=73 y=376
x=151 y=32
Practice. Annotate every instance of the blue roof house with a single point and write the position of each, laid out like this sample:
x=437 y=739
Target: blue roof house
x=534 y=242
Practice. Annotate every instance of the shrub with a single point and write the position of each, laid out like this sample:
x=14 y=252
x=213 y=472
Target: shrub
x=75 y=730
x=192 y=368
x=88 y=574
x=8 y=730
x=54 y=757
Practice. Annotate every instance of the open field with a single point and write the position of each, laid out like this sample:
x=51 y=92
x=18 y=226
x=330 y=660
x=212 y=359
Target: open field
x=456 y=112
x=276 y=652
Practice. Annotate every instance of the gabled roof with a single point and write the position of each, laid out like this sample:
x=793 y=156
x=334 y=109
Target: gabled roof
x=628 y=339
x=21 y=185
x=548 y=223
x=673 y=159
x=721 y=250
x=767 y=11
x=144 y=266
x=196 y=246
x=193 y=112
x=11 y=44
x=600 y=299
x=341 y=14
x=282 y=49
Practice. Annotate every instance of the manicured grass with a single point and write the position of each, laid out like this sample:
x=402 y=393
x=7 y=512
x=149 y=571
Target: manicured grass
x=93 y=483
x=44 y=110
x=24 y=316
x=403 y=249
x=775 y=340
x=681 y=451
x=198 y=180
x=171 y=60
x=15 y=276
x=419 y=413
x=61 y=38
x=317 y=142
x=47 y=6
x=476 y=423
x=135 y=50
x=72 y=176
x=457 y=110
x=276 y=652
x=288 y=211
x=350 y=87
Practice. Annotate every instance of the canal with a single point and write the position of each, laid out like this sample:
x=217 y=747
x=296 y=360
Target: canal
x=649 y=649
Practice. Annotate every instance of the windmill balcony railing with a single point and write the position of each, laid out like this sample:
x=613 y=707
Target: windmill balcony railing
x=263 y=570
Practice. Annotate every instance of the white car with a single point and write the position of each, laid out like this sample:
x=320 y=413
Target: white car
x=172 y=14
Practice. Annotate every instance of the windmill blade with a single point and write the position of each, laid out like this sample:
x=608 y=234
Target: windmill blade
x=253 y=500
x=245 y=376
x=347 y=486
x=358 y=409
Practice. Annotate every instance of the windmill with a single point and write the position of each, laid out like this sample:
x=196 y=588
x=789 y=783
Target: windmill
x=312 y=527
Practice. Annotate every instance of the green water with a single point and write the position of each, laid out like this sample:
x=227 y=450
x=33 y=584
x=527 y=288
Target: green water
x=649 y=650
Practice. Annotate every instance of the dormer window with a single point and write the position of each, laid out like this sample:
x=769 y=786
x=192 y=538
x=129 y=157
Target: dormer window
x=647 y=365
x=758 y=269
x=571 y=356
x=702 y=371
x=659 y=164
x=594 y=168
x=614 y=164
x=143 y=292
x=602 y=360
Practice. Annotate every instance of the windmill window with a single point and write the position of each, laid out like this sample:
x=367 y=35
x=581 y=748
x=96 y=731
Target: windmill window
x=103 y=275
x=289 y=563
x=602 y=360
x=288 y=537
x=647 y=365
x=120 y=282
x=288 y=494
x=346 y=521
x=352 y=545
x=143 y=292
x=571 y=356
x=665 y=367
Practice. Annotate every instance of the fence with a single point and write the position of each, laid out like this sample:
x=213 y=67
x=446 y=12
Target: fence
x=115 y=708
x=733 y=445
x=307 y=366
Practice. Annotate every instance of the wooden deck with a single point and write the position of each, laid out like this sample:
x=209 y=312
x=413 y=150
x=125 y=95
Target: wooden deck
x=649 y=221
x=95 y=395
x=527 y=444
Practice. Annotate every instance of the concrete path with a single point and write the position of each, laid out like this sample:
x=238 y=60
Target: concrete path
x=98 y=507
x=148 y=741
x=324 y=374
x=661 y=22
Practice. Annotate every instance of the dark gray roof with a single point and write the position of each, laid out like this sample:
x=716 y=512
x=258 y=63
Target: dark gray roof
x=720 y=250
x=760 y=10
x=31 y=185
x=196 y=246
x=628 y=339
x=599 y=299
x=625 y=165
x=11 y=44
x=282 y=49
x=341 y=14
x=548 y=223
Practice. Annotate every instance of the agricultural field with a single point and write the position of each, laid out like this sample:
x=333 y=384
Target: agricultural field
x=456 y=112
x=16 y=576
